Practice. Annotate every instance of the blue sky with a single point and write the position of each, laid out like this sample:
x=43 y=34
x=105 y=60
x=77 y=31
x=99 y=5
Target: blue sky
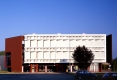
x=18 y=17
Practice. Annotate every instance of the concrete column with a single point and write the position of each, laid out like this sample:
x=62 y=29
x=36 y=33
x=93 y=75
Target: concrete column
x=94 y=68
x=45 y=68
x=36 y=67
x=100 y=67
x=22 y=68
x=71 y=68
x=30 y=67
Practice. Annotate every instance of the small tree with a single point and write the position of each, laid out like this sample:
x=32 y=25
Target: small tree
x=114 y=64
x=105 y=66
x=83 y=56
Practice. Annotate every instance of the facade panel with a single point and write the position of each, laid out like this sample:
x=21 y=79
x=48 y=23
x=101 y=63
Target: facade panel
x=33 y=55
x=97 y=55
x=52 y=55
x=33 y=43
x=27 y=55
x=58 y=55
x=40 y=55
x=14 y=47
x=73 y=42
x=64 y=44
x=71 y=52
x=46 y=55
x=52 y=43
x=27 y=43
x=65 y=55
x=55 y=49
x=46 y=43
x=40 y=43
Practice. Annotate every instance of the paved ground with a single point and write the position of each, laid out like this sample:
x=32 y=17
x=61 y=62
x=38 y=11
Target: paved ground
x=51 y=76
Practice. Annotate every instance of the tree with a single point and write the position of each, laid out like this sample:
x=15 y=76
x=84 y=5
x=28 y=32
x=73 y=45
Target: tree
x=114 y=64
x=105 y=66
x=83 y=56
x=2 y=52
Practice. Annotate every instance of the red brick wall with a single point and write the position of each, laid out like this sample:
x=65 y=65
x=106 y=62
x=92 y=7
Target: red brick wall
x=14 y=45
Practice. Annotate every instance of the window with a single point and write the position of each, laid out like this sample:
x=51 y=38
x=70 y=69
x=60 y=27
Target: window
x=90 y=39
x=8 y=58
x=46 y=43
x=23 y=45
x=23 y=56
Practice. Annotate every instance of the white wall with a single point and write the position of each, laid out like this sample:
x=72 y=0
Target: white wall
x=33 y=55
x=2 y=67
x=33 y=43
x=39 y=43
x=40 y=55
x=59 y=48
x=52 y=55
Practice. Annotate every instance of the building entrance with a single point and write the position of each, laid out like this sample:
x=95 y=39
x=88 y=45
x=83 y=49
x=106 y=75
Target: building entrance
x=33 y=69
x=59 y=68
x=41 y=68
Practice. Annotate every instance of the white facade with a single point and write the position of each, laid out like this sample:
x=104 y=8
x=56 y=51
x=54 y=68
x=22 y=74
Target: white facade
x=58 y=48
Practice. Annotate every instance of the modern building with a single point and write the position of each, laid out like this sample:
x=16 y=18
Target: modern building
x=53 y=52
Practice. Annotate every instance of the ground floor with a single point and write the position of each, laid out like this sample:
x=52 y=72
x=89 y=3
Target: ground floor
x=53 y=67
x=60 y=67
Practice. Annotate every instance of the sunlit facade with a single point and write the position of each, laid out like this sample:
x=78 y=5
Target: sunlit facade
x=57 y=49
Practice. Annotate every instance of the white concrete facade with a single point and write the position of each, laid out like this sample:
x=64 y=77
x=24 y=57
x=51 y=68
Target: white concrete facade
x=58 y=48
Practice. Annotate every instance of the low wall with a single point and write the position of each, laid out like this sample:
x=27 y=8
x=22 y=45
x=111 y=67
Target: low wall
x=2 y=67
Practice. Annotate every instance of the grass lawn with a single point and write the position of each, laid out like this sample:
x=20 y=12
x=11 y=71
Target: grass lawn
x=2 y=71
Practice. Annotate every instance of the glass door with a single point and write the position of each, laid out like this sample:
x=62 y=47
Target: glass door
x=59 y=68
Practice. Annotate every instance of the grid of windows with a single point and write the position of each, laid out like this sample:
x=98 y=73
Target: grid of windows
x=59 y=48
